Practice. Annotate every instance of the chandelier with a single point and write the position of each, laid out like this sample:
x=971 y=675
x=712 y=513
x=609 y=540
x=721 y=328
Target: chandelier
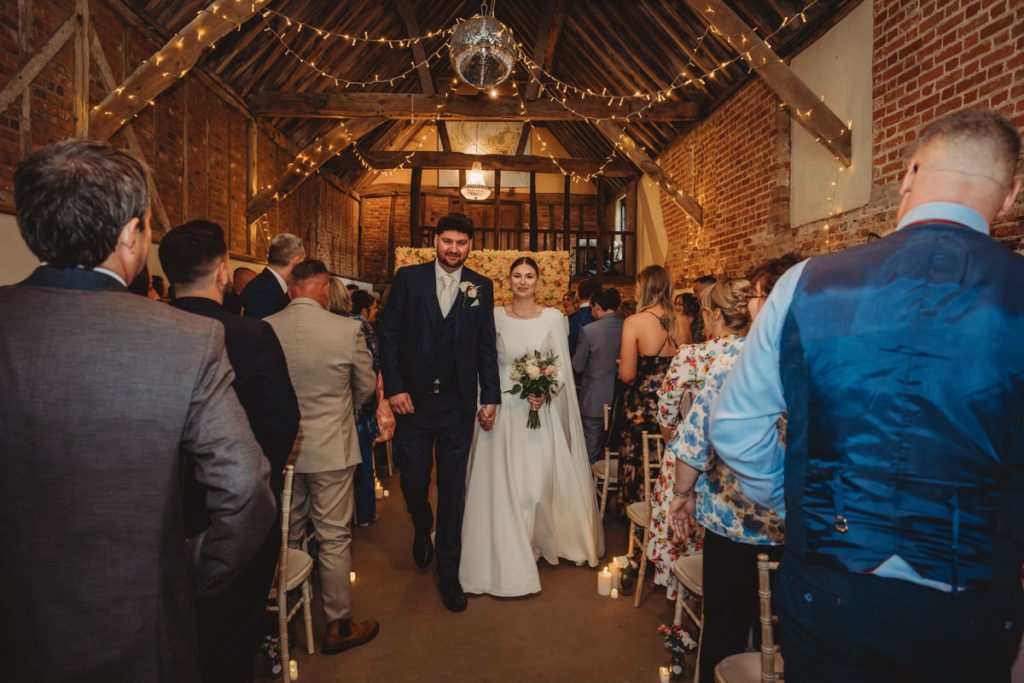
x=475 y=189
x=483 y=50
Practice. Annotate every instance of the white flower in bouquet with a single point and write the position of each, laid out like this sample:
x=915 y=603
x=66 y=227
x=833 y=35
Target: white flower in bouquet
x=532 y=371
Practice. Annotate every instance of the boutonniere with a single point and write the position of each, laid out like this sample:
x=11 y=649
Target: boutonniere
x=469 y=293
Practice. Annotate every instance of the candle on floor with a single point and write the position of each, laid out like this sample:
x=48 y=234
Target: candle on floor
x=604 y=582
x=386 y=493
x=663 y=674
x=615 y=594
x=293 y=669
x=378 y=491
x=351 y=577
x=614 y=569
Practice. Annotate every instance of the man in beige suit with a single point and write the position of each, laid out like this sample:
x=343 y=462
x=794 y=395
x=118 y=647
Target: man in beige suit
x=332 y=373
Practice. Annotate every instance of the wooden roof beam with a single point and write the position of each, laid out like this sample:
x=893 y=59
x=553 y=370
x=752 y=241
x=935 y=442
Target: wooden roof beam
x=39 y=59
x=170 y=62
x=641 y=160
x=336 y=104
x=491 y=162
x=807 y=108
x=422 y=70
x=307 y=162
x=547 y=40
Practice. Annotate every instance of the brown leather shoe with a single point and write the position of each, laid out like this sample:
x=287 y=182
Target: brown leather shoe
x=360 y=633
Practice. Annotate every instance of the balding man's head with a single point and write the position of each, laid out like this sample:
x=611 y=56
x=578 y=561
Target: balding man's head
x=312 y=280
x=969 y=158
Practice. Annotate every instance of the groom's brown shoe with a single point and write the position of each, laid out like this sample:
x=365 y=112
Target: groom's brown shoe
x=344 y=634
x=422 y=549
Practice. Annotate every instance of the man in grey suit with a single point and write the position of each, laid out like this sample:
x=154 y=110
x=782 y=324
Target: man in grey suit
x=102 y=391
x=596 y=359
x=332 y=372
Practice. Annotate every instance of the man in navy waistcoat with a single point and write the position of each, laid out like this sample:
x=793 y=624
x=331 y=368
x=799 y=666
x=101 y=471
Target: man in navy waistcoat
x=901 y=366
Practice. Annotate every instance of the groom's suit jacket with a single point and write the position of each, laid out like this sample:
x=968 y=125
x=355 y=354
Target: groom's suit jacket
x=411 y=321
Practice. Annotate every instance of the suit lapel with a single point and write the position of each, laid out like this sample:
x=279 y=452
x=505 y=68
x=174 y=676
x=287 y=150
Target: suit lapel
x=431 y=305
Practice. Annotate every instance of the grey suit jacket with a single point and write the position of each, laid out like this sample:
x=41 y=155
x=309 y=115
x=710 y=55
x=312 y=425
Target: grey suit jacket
x=332 y=372
x=594 y=358
x=101 y=391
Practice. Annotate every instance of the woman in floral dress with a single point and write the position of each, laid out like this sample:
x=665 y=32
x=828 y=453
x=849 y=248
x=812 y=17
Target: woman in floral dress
x=649 y=341
x=726 y=319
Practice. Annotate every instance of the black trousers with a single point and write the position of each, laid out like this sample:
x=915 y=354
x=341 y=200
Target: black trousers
x=841 y=627
x=730 y=599
x=232 y=625
x=440 y=426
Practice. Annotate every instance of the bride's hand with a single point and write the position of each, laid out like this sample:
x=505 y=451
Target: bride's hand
x=536 y=401
x=486 y=417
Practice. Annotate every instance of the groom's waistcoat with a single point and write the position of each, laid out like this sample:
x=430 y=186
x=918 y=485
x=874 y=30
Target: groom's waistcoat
x=442 y=360
x=903 y=367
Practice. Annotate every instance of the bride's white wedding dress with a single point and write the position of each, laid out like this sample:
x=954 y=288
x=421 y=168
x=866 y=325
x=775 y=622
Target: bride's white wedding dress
x=530 y=493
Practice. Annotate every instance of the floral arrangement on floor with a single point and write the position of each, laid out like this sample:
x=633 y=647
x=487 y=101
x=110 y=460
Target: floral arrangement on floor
x=678 y=642
x=554 y=270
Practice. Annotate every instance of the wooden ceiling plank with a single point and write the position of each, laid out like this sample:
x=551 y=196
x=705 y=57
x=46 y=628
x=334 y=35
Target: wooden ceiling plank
x=338 y=104
x=683 y=200
x=307 y=162
x=39 y=59
x=412 y=27
x=552 y=20
x=492 y=162
x=290 y=76
x=174 y=59
x=807 y=108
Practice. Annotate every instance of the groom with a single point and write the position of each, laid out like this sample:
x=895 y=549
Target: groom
x=437 y=344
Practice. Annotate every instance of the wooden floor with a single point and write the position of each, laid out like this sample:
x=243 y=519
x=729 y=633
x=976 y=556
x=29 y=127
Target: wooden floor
x=566 y=633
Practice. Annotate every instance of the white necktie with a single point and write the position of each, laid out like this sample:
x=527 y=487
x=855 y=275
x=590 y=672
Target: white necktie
x=447 y=294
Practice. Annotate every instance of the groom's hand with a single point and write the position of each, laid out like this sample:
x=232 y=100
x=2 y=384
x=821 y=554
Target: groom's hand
x=486 y=416
x=401 y=404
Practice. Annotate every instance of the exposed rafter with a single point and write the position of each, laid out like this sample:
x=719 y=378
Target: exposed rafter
x=683 y=200
x=423 y=71
x=400 y=106
x=307 y=162
x=547 y=40
x=173 y=60
x=21 y=80
x=493 y=162
x=807 y=108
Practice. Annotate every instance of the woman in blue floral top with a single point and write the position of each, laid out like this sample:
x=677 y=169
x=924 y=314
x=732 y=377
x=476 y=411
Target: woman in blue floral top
x=725 y=320
x=737 y=528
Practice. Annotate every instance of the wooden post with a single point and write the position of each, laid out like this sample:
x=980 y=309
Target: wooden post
x=566 y=211
x=391 y=237
x=415 y=200
x=533 y=211
x=359 y=240
x=497 y=209
x=601 y=227
x=24 y=49
x=82 y=69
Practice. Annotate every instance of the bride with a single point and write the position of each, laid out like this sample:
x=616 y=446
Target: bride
x=529 y=493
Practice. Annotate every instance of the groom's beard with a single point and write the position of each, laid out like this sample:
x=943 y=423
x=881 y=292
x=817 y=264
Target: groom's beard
x=454 y=259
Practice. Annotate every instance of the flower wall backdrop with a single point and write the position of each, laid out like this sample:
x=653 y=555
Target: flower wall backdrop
x=554 y=270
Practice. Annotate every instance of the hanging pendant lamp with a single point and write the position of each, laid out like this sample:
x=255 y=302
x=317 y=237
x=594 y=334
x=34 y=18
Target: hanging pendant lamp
x=483 y=50
x=475 y=189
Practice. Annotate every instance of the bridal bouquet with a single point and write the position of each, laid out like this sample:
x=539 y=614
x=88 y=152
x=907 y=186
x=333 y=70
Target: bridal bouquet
x=535 y=374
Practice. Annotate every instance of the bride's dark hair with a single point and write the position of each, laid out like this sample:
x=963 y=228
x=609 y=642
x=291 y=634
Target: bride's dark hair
x=524 y=260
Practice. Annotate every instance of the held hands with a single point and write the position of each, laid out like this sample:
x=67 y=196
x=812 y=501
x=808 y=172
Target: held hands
x=680 y=517
x=385 y=421
x=486 y=416
x=401 y=404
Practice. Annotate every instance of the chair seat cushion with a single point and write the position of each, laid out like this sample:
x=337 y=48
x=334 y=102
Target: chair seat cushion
x=300 y=566
x=598 y=470
x=744 y=668
x=637 y=513
x=689 y=569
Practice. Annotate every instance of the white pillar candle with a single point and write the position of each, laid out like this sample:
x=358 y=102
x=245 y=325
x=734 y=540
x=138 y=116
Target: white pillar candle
x=351 y=577
x=663 y=674
x=604 y=582
x=615 y=594
x=378 y=491
x=293 y=670
x=615 y=576
x=386 y=493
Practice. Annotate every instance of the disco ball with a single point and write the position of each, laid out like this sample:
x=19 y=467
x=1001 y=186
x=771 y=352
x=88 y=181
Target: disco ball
x=483 y=51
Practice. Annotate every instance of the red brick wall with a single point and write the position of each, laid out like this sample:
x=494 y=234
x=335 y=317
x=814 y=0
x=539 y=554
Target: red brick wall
x=930 y=57
x=194 y=141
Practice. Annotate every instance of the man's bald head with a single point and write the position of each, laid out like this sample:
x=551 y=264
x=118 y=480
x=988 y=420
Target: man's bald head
x=969 y=158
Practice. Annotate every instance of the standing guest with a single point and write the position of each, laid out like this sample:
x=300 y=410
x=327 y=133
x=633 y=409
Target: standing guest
x=648 y=346
x=267 y=293
x=582 y=316
x=339 y=301
x=439 y=359
x=194 y=256
x=569 y=303
x=332 y=374
x=628 y=308
x=142 y=285
x=687 y=307
x=697 y=326
x=100 y=395
x=596 y=360
x=233 y=294
x=900 y=367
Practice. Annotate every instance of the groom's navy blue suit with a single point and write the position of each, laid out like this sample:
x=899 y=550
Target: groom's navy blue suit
x=419 y=347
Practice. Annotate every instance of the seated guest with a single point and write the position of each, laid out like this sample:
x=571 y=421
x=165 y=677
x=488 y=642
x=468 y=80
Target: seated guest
x=233 y=294
x=726 y=319
x=582 y=317
x=899 y=366
x=697 y=326
x=194 y=256
x=267 y=293
x=596 y=361
x=735 y=529
x=332 y=373
x=103 y=393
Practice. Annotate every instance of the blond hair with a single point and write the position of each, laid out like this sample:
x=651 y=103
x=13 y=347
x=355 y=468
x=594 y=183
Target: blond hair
x=339 y=300
x=729 y=297
x=654 y=288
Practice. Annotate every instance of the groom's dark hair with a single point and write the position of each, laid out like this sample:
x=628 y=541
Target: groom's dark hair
x=459 y=222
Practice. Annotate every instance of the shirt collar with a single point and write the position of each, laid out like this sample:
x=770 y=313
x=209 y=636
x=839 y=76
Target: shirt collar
x=110 y=273
x=440 y=272
x=280 y=280
x=945 y=211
